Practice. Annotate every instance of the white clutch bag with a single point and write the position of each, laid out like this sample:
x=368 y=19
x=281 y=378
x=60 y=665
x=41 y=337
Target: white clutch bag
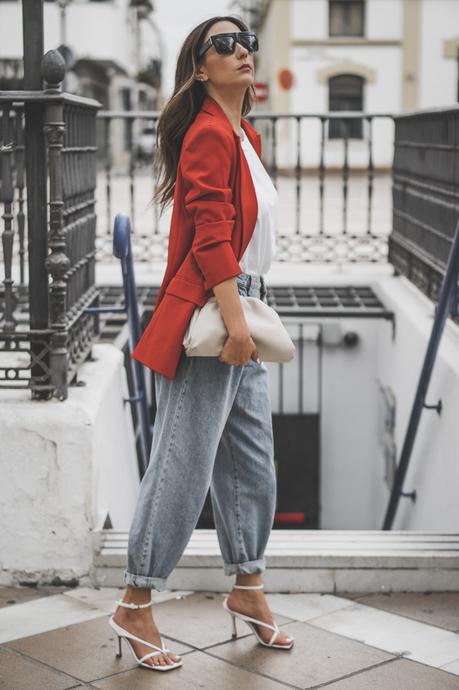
x=206 y=333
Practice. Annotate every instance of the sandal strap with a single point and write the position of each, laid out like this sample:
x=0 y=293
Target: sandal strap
x=151 y=654
x=258 y=622
x=131 y=636
x=133 y=606
x=274 y=635
x=274 y=627
x=254 y=620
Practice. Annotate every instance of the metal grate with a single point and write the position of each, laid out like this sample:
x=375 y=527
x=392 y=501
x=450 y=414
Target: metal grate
x=288 y=300
x=324 y=300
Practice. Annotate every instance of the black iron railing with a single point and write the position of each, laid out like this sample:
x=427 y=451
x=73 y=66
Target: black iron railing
x=49 y=321
x=447 y=303
x=323 y=224
x=42 y=346
x=425 y=197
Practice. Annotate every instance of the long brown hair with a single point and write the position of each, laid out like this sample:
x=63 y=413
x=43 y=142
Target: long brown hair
x=182 y=108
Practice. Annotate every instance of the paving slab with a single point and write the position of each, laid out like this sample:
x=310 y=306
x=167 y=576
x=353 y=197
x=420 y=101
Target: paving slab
x=19 y=673
x=396 y=640
x=302 y=607
x=199 y=620
x=396 y=634
x=400 y=674
x=200 y=671
x=436 y=608
x=316 y=657
x=452 y=667
x=84 y=650
x=19 y=595
x=41 y=615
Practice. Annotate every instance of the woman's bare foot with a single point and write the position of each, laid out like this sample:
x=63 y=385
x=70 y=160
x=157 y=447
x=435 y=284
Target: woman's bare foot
x=140 y=622
x=252 y=602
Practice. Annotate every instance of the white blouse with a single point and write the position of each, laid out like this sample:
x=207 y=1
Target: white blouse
x=262 y=246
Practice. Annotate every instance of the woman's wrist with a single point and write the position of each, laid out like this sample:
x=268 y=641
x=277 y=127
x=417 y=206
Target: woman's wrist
x=238 y=332
x=229 y=302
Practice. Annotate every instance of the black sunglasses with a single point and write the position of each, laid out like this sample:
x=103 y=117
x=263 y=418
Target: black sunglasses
x=225 y=43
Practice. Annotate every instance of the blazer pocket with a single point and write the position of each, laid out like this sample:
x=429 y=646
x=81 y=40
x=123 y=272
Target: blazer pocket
x=193 y=292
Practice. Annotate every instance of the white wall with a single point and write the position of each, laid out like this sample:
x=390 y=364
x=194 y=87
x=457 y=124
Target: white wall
x=308 y=21
x=383 y=22
x=434 y=469
x=353 y=491
x=64 y=466
x=344 y=390
x=176 y=19
x=311 y=95
x=94 y=30
x=438 y=74
x=10 y=30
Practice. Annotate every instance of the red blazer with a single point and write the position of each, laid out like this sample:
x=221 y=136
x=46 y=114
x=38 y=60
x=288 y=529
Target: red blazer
x=213 y=217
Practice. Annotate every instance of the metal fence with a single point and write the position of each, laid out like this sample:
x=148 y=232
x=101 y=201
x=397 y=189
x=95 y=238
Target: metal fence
x=425 y=197
x=327 y=201
x=75 y=157
x=45 y=332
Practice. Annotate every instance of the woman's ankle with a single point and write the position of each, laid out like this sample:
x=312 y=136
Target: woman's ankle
x=136 y=595
x=249 y=579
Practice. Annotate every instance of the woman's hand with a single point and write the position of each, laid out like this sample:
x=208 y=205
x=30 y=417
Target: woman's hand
x=239 y=349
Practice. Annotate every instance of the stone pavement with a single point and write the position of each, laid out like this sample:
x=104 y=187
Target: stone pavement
x=58 y=638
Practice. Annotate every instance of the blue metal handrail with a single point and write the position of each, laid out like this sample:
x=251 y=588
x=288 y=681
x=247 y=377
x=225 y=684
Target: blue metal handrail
x=448 y=292
x=122 y=250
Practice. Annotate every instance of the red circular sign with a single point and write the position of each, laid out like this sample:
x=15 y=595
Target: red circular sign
x=285 y=78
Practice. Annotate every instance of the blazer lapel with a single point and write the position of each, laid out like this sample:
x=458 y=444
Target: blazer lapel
x=248 y=206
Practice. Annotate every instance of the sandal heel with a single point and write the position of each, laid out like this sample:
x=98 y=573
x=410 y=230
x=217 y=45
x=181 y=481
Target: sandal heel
x=119 y=653
x=234 y=631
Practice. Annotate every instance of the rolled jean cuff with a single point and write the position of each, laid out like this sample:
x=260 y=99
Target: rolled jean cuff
x=159 y=583
x=246 y=568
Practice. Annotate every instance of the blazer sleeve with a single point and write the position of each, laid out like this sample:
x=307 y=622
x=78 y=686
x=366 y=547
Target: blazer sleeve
x=205 y=161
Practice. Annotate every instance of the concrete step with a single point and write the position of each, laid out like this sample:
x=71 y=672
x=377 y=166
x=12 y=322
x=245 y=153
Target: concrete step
x=309 y=561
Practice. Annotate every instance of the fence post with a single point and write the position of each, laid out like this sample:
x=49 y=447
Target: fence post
x=32 y=19
x=57 y=263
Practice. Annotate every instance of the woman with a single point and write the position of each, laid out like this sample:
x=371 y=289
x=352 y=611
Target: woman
x=213 y=424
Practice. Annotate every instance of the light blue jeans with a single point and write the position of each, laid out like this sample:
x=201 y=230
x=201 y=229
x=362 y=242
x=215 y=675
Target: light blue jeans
x=213 y=428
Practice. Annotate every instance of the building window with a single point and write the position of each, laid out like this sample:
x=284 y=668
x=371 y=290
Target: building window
x=346 y=17
x=345 y=92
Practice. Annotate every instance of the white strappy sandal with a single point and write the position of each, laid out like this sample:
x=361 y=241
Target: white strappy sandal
x=121 y=632
x=250 y=622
